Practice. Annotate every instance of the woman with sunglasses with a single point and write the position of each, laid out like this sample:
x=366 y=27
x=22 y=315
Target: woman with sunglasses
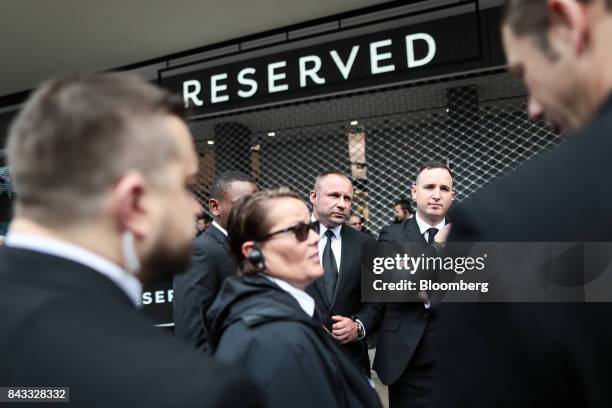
x=263 y=319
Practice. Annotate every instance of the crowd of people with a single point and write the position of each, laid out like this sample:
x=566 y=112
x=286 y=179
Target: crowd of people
x=269 y=311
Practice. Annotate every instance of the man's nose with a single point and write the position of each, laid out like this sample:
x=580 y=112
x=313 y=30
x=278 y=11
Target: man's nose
x=196 y=206
x=535 y=110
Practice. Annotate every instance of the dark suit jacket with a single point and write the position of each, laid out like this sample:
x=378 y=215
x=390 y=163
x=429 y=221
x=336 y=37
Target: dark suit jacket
x=195 y=290
x=347 y=296
x=528 y=354
x=64 y=324
x=404 y=323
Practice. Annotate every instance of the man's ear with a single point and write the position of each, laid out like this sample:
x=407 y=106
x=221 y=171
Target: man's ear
x=128 y=203
x=313 y=197
x=570 y=18
x=413 y=190
x=213 y=204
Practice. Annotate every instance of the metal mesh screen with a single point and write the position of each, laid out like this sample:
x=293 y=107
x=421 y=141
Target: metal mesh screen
x=476 y=124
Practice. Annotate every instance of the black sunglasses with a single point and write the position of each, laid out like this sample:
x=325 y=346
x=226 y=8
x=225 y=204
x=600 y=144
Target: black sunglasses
x=299 y=230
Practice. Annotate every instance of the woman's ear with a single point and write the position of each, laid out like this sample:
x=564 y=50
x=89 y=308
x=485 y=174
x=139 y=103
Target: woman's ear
x=247 y=247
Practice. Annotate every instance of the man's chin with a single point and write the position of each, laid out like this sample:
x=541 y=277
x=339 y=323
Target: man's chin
x=164 y=264
x=436 y=212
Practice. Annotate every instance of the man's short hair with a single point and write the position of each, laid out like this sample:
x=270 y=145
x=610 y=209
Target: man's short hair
x=531 y=17
x=434 y=165
x=322 y=176
x=205 y=217
x=223 y=181
x=76 y=137
x=358 y=215
x=405 y=205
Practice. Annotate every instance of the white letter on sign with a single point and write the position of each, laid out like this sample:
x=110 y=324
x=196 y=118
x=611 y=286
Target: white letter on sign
x=375 y=57
x=242 y=80
x=215 y=87
x=345 y=69
x=192 y=94
x=310 y=72
x=273 y=77
x=431 y=53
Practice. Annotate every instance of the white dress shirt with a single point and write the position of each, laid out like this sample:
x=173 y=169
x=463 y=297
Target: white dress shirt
x=62 y=249
x=424 y=226
x=306 y=302
x=220 y=228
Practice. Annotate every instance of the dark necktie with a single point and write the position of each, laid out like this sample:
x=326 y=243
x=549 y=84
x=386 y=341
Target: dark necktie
x=330 y=268
x=434 y=274
x=432 y=234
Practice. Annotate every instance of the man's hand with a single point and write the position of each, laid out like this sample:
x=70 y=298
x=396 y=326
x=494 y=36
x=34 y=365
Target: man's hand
x=442 y=235
x=344 y=329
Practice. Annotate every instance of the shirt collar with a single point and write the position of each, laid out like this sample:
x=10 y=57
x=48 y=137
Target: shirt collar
x=424 y=226
x=322 y=228
x=220 y=228
x=305 y=301
x=51 y=246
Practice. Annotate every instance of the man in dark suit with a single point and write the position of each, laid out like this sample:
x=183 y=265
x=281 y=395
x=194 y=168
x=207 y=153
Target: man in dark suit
x=195 y=290
x=87 y=232
x=202 y=223
x=402 y=210
x=542 y=354
x=337 y=293
x=404 y=357
x=357 y=221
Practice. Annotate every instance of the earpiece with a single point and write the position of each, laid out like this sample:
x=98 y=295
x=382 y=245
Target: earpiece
x=256 y=258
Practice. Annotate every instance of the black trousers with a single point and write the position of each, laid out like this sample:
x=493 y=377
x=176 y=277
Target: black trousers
x=414 y=386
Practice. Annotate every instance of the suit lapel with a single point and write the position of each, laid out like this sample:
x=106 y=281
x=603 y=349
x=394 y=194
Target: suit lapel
x=412 y=231
x=319 y=285
x=219 y=237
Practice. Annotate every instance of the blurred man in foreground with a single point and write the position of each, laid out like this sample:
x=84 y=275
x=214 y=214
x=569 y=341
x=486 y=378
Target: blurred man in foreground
x=103 y=165
x=544 y=354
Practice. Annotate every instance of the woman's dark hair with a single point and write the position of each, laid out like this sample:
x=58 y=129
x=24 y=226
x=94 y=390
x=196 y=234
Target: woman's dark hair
x=248 y=221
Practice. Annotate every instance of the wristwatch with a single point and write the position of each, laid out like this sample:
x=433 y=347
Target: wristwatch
x=360 y=329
